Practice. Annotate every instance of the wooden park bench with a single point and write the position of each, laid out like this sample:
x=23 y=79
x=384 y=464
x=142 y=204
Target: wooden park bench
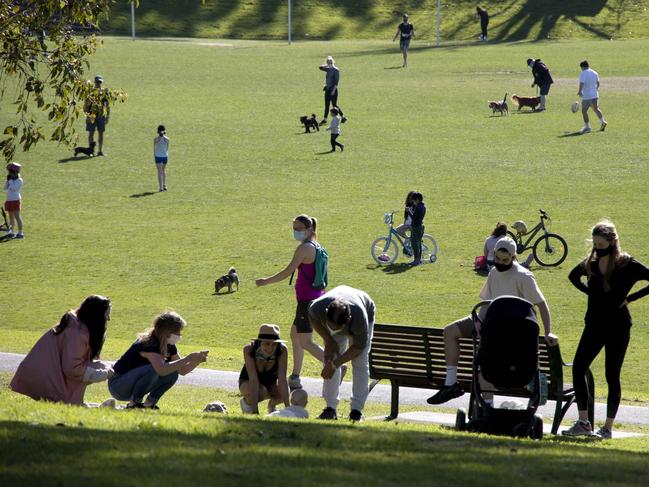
x=413 y=356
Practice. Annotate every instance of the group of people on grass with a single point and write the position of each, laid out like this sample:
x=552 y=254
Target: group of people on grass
x=67 y=357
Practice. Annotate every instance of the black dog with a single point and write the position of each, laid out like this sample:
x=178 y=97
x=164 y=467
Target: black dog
x=89 y=151
x=309 y=123
x=228 y=280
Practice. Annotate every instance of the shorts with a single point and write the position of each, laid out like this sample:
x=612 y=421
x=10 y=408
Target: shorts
x=465 y=325
x=160 y=160
x=301 y=320
x=586 y=103
x=545 y=89
x=99 y=124
x=13 y=205
x=404 y=43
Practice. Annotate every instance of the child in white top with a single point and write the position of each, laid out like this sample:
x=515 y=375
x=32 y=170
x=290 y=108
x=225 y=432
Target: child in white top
x=334 y=128
x=161 y=155
x=13 y=202
x=299 y=400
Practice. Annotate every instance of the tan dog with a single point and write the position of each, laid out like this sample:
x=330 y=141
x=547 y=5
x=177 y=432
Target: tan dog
x=499 y=106
x=526 y=101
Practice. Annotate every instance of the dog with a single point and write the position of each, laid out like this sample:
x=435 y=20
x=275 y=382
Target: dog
x=499 y=106
x=526 y=101
x=89 y=151
x=309 y=123
x=228 y=280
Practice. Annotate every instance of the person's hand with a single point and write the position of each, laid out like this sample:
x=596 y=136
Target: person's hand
x=624 y=303
x=330 y=350
x=197 y=357
x=552 y=340
x=261 y=282
x=328 y=370
x=532 y=85
x=579 y=94
x=110 y=373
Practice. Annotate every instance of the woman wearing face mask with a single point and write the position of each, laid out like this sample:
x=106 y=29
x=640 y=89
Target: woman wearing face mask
x=152 y=364
x=305 y=232
x=263 y=375
x=610 y=276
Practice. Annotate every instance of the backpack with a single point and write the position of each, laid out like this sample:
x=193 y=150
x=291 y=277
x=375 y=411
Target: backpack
x=320 y=278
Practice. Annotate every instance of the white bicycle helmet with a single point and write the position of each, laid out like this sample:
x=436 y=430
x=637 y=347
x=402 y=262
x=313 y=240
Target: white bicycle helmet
x=387 y=218
x=519 y=226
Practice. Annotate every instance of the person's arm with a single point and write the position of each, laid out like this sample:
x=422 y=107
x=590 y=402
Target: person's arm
x=317 y=323
x=354 y=350
x=641 y=274
x=298 y=257
x=182 y=366
x=322 y=67
x=576 y=275
x=581 y=89
x=396 y=35
x=253 y=379
x=485 y=251
x=544 y=311
x=282 y=367
x=74 y=356
x=154 y=140
x=97 y=371
x=336 y=80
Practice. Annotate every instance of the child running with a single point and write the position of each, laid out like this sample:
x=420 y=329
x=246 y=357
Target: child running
x=13 y=202
x=334 y=128
x=161 y=155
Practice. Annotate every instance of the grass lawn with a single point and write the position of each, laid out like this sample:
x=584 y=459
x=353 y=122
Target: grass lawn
x=240 y=169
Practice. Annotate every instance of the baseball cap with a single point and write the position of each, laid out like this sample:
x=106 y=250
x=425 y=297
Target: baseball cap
x=506 y=244
x=13 y=166
x=99 y=79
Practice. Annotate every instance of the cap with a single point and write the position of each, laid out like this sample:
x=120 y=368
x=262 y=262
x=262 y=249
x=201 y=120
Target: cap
x=13 y=166
x=99 y=79
x=506 y=244
x=269 y=333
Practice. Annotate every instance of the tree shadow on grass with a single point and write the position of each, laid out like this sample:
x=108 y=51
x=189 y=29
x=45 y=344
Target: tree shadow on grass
x=145 y=193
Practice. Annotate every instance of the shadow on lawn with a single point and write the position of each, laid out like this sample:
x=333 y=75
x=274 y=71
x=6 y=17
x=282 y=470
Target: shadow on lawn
x=74 y=158
x=145 y=193
x=243 y=451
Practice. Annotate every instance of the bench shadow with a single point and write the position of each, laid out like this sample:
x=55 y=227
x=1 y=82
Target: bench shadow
x=146 y=193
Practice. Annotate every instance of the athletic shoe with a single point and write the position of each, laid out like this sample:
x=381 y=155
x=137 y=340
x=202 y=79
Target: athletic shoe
x=19 y=235
x=323 y=122
x=446 y=393
x=355 y=415
x=585 y=130
x=137 y=405
x=415 y=263
x=108 y=403
x=100 y=154
x=245 y=407
x=294 y=382
x=328 y=413
x=580 y=428
x=604 y=433
x=602 y=127
x=342 y=147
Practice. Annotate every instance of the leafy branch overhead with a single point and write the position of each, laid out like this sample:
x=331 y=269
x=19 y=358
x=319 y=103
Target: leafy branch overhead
x=44 y=51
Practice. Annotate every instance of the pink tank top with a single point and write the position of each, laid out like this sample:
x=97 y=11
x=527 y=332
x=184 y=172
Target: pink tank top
x=304 y=290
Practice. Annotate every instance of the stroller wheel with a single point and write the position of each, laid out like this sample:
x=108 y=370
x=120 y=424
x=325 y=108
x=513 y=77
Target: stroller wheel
x=537 y=427
x=520 y=430
x=460 y=420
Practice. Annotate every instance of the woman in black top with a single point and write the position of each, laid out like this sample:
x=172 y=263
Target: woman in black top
x=406 y=32
x=610 y=275
x=263 y=375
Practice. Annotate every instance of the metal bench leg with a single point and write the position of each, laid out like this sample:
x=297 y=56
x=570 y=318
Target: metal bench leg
x=394 y=402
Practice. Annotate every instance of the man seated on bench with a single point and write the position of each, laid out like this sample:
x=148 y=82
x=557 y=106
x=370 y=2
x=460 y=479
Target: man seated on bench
x=507 y=278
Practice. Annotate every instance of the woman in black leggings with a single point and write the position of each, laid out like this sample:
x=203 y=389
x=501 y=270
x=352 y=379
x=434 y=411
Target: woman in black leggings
x=610 y=275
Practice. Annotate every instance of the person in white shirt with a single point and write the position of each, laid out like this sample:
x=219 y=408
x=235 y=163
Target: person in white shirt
x=299 y=400
x=588 y=91
x=334 y=128
x=161 y=156
x=508 y=278
x=13 y=203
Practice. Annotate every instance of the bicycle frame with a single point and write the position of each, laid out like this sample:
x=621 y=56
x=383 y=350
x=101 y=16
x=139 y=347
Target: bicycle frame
x=396 y=234
x=530 y=235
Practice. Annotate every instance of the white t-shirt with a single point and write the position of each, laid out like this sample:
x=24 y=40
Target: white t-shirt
x=291 y=412
x=490 y=245
x=161 y=146
x=590 y=79
x=516 y=281
x=12 y=186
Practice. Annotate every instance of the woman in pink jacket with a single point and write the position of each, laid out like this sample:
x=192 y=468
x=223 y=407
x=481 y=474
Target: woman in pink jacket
x=66 y=358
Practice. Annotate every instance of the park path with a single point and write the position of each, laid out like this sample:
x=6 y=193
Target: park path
x=381 y=393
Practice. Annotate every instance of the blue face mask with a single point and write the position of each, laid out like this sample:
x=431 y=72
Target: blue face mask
x=299 y=236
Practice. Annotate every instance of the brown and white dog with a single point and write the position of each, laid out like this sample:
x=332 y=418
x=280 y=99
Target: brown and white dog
x=526 y=101
x=499 y=106
x=227 y=280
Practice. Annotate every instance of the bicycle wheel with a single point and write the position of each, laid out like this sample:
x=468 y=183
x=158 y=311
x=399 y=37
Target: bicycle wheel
x=384 y=251
x=550 y=250
x=428 y=249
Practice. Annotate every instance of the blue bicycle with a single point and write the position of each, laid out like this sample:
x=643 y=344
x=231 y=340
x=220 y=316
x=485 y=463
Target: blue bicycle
x=385 y=250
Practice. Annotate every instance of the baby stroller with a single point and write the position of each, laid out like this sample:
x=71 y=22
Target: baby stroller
x=507 y=357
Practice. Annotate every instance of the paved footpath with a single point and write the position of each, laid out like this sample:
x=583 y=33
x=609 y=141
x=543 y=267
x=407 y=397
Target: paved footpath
x=381 y=394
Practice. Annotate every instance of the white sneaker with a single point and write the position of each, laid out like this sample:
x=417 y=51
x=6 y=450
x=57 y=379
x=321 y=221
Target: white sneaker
x=604 y=433
x=585 y=130
x=245 y=407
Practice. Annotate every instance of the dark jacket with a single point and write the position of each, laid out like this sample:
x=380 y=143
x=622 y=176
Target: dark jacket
x=541 y=73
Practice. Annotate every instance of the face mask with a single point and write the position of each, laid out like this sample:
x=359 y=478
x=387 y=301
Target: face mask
x=602 y=252
x=173 y=339
x=503 y=267
x=299 y=236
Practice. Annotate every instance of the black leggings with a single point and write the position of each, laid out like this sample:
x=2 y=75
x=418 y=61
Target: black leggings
x=334 y=143
x=331 y=100
x=614 y=340
x=483 y=26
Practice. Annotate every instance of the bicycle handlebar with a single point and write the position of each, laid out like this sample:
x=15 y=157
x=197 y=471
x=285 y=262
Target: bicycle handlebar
x=543 y=214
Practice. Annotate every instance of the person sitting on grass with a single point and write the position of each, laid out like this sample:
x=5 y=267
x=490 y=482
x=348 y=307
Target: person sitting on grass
x=263 y=375
x=508 y=278
x=490 y=244
x=66 y=358
x=152 y=363
x=299 y=400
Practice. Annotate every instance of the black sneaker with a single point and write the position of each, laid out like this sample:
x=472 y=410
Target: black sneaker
x=151 y=406
x=355 y=415
x=328 y=413
x=137 y=405
x=100 y=154
x=446 y=393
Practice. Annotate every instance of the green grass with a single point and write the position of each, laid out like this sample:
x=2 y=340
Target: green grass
x=50 y=444
x=240 y=170
x=364 y=19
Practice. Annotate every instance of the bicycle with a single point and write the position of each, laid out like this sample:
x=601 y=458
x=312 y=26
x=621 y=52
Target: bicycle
x=548 y=250
x=385 y=249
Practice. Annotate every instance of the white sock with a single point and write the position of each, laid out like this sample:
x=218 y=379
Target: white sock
x=451 y=375
x=587 y=126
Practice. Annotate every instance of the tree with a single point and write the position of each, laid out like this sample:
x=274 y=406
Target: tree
x=43 y=59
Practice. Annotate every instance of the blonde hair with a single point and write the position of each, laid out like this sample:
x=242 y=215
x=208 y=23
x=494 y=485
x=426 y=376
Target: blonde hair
x=165 y=324
x=606 y=230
